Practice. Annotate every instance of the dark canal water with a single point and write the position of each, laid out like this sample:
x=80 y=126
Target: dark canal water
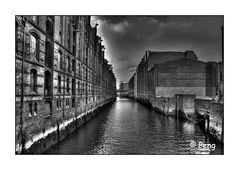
x=128 y=127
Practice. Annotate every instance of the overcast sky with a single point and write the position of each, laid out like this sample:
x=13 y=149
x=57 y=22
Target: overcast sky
x=126 y=38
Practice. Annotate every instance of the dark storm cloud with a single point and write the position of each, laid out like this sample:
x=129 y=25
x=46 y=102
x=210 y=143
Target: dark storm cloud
x=127 y=37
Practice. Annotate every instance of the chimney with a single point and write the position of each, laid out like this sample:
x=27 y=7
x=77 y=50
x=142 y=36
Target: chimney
x=190 y=54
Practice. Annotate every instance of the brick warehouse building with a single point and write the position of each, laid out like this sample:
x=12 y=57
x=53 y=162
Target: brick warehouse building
x=164 y=74
x=61 y=74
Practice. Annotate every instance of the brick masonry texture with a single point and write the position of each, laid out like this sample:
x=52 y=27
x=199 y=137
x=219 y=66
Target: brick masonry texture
x=62 y=78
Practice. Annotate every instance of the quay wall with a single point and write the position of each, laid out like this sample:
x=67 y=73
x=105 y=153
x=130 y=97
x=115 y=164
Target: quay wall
x=165 y=105
x=189 y=107
x=44 y=140
x=216 y=116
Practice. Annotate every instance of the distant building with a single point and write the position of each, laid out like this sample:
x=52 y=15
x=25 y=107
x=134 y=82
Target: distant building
x=164 y=74
x=148 y=62
x=184 y=76
x=131 y=87
x=123 y=89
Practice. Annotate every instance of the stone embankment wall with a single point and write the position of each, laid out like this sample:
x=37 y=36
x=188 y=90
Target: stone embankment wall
x=164 y=105
x=59 y=131
x=189 y=107
x=216 y=115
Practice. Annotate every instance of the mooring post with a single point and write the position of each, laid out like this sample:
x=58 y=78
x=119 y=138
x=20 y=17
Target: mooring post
x=58 y=130
x=208 y=123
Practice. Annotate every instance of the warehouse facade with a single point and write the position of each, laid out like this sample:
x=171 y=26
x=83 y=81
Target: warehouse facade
x=61 y=73
x=165 y=74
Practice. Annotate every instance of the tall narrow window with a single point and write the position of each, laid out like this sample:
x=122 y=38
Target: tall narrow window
x=73 y=65
x=61 y=60
x=58 y=59
x=83 y=88
x=67 y=85
x=49 y=54
x=59 y=103
x=79 y=70
x=49 y=29
x=74 y=50
x=78 y=87
x=74 y=37
x=30 y=110
x=34 y=45
x=73 y=102
x=47 y=89
x=59 y=84
x=69 y=63
x=73 y=86
x=33 y=80
x=35 y=109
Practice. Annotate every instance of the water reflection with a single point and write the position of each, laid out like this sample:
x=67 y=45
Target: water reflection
x=128 y=127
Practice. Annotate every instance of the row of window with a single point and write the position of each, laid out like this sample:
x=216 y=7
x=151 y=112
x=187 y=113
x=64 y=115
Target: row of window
x=47 y=90
x=70 y=65
x=33 y=82
x=82 y=87
x=59 y=103
x=33 y=108
x=34 y=51
x=34 y=38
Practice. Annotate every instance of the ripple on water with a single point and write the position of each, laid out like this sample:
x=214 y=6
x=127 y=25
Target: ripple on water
x=128 y=127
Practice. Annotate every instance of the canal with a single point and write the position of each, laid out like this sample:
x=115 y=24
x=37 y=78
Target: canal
x=128 y=127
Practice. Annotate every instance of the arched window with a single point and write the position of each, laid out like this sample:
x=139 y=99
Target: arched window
x=60 y=60
x=49 y=28
x=33 y=80
x=34 y=45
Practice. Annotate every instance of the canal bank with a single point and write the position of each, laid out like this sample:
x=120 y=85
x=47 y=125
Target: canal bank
x=205 y=112
x=128 y=127
x=59 y=131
